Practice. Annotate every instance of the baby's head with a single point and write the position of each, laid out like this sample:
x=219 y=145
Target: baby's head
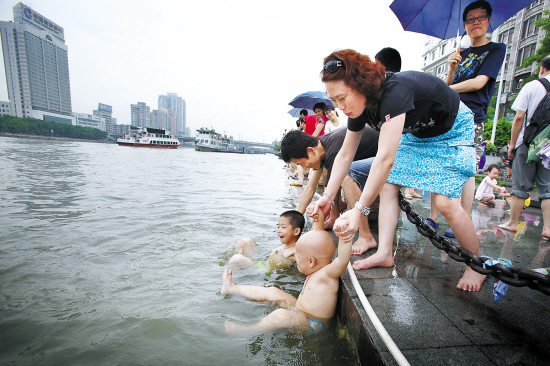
x=246 y=247
x=291 y=224
x=493 y=171
x=314 y=250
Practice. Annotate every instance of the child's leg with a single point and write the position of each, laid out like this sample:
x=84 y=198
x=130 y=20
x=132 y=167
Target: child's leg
x=465 y=233
x=280 y=318
x=239 y=261
x=255 y=292
x=487 y=198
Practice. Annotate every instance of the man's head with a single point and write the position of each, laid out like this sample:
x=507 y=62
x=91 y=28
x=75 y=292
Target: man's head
x=476 y=18
x=389 y=58
x=314 y=250
x=319 y=109
x=545 y=66
x=291 y=225
x=302 y=149
x=301 y=123
x=303 y=113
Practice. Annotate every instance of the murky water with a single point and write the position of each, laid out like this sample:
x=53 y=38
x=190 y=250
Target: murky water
x=114 y=255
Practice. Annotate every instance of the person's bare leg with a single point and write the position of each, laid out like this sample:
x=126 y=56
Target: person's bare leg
x=516 y=206
x=468 y=193
x=465 y=233
x=279 y=319
x=257 y=293
x=239 y=261
x=365 y=241
x=433 y=208
x=545 y=206
x=300 y=175
x=387 y=222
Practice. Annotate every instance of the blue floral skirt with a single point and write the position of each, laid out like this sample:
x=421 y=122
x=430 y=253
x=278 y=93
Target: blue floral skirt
x=440 y=164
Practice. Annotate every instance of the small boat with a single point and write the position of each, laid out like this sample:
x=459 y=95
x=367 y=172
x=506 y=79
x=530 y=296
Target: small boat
x=149 y=137
x=210 y=140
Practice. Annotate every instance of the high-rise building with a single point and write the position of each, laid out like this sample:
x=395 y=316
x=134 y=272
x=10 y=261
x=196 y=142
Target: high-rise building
x=159 y=118
x=37 y=66
x=141 y=115
x=106 y=112
x=176 y=104
x=91 y=121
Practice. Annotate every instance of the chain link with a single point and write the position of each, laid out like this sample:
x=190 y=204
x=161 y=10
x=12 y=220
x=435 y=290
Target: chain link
x=513 y=276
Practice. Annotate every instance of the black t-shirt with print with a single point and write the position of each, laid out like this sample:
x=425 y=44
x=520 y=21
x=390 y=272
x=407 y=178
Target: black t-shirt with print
x=332 y=143
x=430 y=105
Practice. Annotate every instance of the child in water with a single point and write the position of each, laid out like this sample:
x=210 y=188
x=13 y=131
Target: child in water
x=484 y=193
x=291 y=225
x=316 y=304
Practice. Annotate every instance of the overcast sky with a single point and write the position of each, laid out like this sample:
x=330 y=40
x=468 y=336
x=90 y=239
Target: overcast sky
x=236 y=63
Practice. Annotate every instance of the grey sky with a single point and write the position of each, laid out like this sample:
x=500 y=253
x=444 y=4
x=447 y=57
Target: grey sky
x=236 y=63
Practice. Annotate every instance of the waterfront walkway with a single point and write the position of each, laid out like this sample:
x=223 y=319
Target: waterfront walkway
x=432 y=322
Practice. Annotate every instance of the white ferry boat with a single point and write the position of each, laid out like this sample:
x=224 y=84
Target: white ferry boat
x=210 y=140
x=149 y=137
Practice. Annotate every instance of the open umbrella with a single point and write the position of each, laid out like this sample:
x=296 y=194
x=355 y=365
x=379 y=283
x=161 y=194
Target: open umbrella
x=443 y=18
x=309 y=99
x=295 y=112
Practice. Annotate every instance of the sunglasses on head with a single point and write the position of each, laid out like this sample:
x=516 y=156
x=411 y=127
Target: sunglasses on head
x=332 y=66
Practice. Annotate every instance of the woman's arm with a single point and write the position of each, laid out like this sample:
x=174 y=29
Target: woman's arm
x=319 y=128
x=388 y=142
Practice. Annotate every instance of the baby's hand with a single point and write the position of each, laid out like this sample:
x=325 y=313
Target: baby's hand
x=502 y=190
x=309 y=210
x=340 y=225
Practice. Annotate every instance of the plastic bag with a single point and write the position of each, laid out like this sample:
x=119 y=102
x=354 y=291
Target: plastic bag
x=538 y=143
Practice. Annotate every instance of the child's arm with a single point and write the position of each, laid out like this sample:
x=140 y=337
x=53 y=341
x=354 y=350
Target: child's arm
x=339 y=264
x=492 y=185
x=318 y=218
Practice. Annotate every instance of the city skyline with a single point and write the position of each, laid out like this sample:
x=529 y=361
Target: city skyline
x=237 y=70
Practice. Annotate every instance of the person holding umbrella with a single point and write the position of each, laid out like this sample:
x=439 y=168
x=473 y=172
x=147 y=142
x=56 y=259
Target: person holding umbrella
x=473 y=73
x=426 y=142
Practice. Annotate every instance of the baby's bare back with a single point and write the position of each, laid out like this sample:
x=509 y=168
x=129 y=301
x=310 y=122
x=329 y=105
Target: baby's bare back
x=319 y=295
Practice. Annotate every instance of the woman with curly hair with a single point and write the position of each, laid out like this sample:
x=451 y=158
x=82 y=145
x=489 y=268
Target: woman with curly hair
x=426 y=142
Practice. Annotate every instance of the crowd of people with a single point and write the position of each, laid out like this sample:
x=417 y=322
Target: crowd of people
x=405 y=129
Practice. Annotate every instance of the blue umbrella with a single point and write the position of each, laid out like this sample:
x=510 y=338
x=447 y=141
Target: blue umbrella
x=443 y=18
x=295 y=112
x=309 y=99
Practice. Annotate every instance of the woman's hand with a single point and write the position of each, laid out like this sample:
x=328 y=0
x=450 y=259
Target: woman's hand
x=347 y=224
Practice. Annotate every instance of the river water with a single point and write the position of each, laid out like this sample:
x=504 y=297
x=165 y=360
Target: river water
x=114 y=255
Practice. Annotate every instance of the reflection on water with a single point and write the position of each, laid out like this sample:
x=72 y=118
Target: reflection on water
x=111 y=255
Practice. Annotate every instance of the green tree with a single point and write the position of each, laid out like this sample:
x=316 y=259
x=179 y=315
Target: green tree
x=502 y=133
x=544 y=49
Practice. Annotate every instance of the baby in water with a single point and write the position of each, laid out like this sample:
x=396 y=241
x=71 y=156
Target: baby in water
x=291 y=225
x=312 y=310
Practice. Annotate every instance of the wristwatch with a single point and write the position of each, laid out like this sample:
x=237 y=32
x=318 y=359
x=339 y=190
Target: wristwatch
x=364 y=210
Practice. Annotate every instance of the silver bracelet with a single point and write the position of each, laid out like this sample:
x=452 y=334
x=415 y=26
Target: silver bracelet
x=331 y=200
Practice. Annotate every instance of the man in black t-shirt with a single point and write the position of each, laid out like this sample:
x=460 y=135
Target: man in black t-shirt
x=318 y=153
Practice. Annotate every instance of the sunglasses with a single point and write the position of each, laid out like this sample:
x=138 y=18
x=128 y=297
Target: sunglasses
x=332 y=66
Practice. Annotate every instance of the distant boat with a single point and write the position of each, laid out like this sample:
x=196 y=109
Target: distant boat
x=149 y=137
x=210 y=140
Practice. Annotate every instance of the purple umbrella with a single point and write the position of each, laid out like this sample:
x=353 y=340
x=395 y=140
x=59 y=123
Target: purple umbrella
x=295 y=112
x=309 y=99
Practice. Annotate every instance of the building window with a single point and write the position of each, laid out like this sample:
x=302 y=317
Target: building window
x=529 y=27
x=443 y=49
x=525 y=52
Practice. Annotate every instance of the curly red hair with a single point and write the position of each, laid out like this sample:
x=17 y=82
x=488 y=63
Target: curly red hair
x=360 y=73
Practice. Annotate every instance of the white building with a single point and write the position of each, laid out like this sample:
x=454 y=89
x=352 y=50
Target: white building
x=141 y=115
x=106 y=112
x=5 y=108
x=89 y=120
x=37 y=67
x=177 y=122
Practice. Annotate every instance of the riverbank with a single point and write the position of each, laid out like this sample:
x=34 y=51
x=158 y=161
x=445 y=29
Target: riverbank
x=432 y=322
x=39 y=137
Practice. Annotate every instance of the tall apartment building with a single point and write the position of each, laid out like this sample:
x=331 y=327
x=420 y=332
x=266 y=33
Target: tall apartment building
x=176 y=105
x=106 y=112
x=141 y=115
x=159 y=119
x=91 y=121
x=37 y=66
x=521 y=37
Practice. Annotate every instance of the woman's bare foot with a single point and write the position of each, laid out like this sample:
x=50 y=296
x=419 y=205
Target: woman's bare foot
x=228 y=284
x=375 y=260
x=362 y=245
x=471 y=281
x=509 y=227
x=545 y=234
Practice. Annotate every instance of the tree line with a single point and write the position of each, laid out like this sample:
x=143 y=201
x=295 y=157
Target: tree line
x=33 y=126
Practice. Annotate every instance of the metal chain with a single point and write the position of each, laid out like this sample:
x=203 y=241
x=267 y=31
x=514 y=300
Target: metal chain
x=514 y=276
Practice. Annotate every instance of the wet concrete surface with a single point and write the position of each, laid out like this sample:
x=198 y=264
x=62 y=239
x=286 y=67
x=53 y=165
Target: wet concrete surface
x=434 y=323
